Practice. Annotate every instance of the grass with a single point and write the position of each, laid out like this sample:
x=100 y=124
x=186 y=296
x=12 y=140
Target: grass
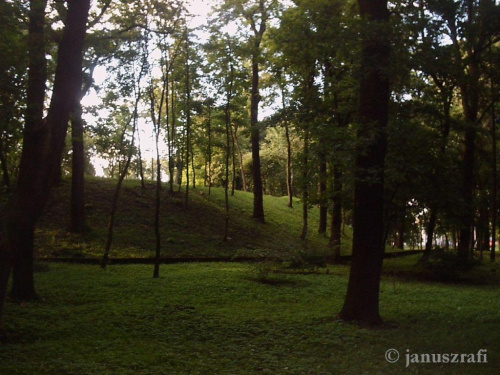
x=196 y=232
x=219 y=318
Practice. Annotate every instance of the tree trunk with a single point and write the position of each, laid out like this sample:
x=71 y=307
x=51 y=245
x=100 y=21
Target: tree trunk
x=431 y=226
x=78 y=224
x=116 y=195
x=42 y=147
x=172 y=157
x=122 y=173
x=141 y=168
x=258 y=195
x=336 y=227
x=240 y=157
x=188 y=125
x=227 y=115
x=323 y=200
x=494 y=187
x=289 y=179
x=5 y=169
x=305 y=186
x=289 y=186
x=209 y=149
x=362 y=298
x=399 y=242
x=156 y=271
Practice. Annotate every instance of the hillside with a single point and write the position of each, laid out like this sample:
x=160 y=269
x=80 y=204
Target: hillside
x=195 y=232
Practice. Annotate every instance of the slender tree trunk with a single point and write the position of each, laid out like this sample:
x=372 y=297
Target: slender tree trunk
x=305 y=186
x=362 y=298
x=400 y=230
x=289 y=183
x=431 y=226
x=188 y=125
x=289 y=186
x=5 y=169
x=42 y=147
x=494 y=180
x=227 y=113
x=122 y=172
x=233 y=162
x=156 y=271
x=78 y=223
x=209 y=149
x=336 y=227
x=258 y=195
x=240 y=158
x=141 y=168
x=323 y=200
x=171 y=162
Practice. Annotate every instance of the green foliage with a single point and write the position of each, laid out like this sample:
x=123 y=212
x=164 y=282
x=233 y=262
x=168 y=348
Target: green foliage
x=214 y=319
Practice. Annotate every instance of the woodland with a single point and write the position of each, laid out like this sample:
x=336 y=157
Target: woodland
x=276 y=149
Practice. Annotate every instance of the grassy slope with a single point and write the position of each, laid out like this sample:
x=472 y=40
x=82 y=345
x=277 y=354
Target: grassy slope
x=217 y=318
x=195 y=232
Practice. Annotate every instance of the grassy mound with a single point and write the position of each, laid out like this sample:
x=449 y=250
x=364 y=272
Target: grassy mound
x=194 y=232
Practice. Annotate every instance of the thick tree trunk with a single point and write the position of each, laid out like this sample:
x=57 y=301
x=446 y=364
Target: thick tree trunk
x=362 y=299
x=42 y=148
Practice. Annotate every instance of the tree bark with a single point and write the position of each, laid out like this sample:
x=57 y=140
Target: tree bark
x=362 y=298
x=42 y=149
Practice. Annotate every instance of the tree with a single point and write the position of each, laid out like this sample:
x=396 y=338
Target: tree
x=255 y=14
x=42 y=148
x=132 y=119
x=362 y=298
x=13 y=77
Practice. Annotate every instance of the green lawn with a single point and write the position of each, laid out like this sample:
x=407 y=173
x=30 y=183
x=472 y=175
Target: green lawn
x=215 y=318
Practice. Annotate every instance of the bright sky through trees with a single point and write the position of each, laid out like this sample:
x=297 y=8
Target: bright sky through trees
x=199 y=11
